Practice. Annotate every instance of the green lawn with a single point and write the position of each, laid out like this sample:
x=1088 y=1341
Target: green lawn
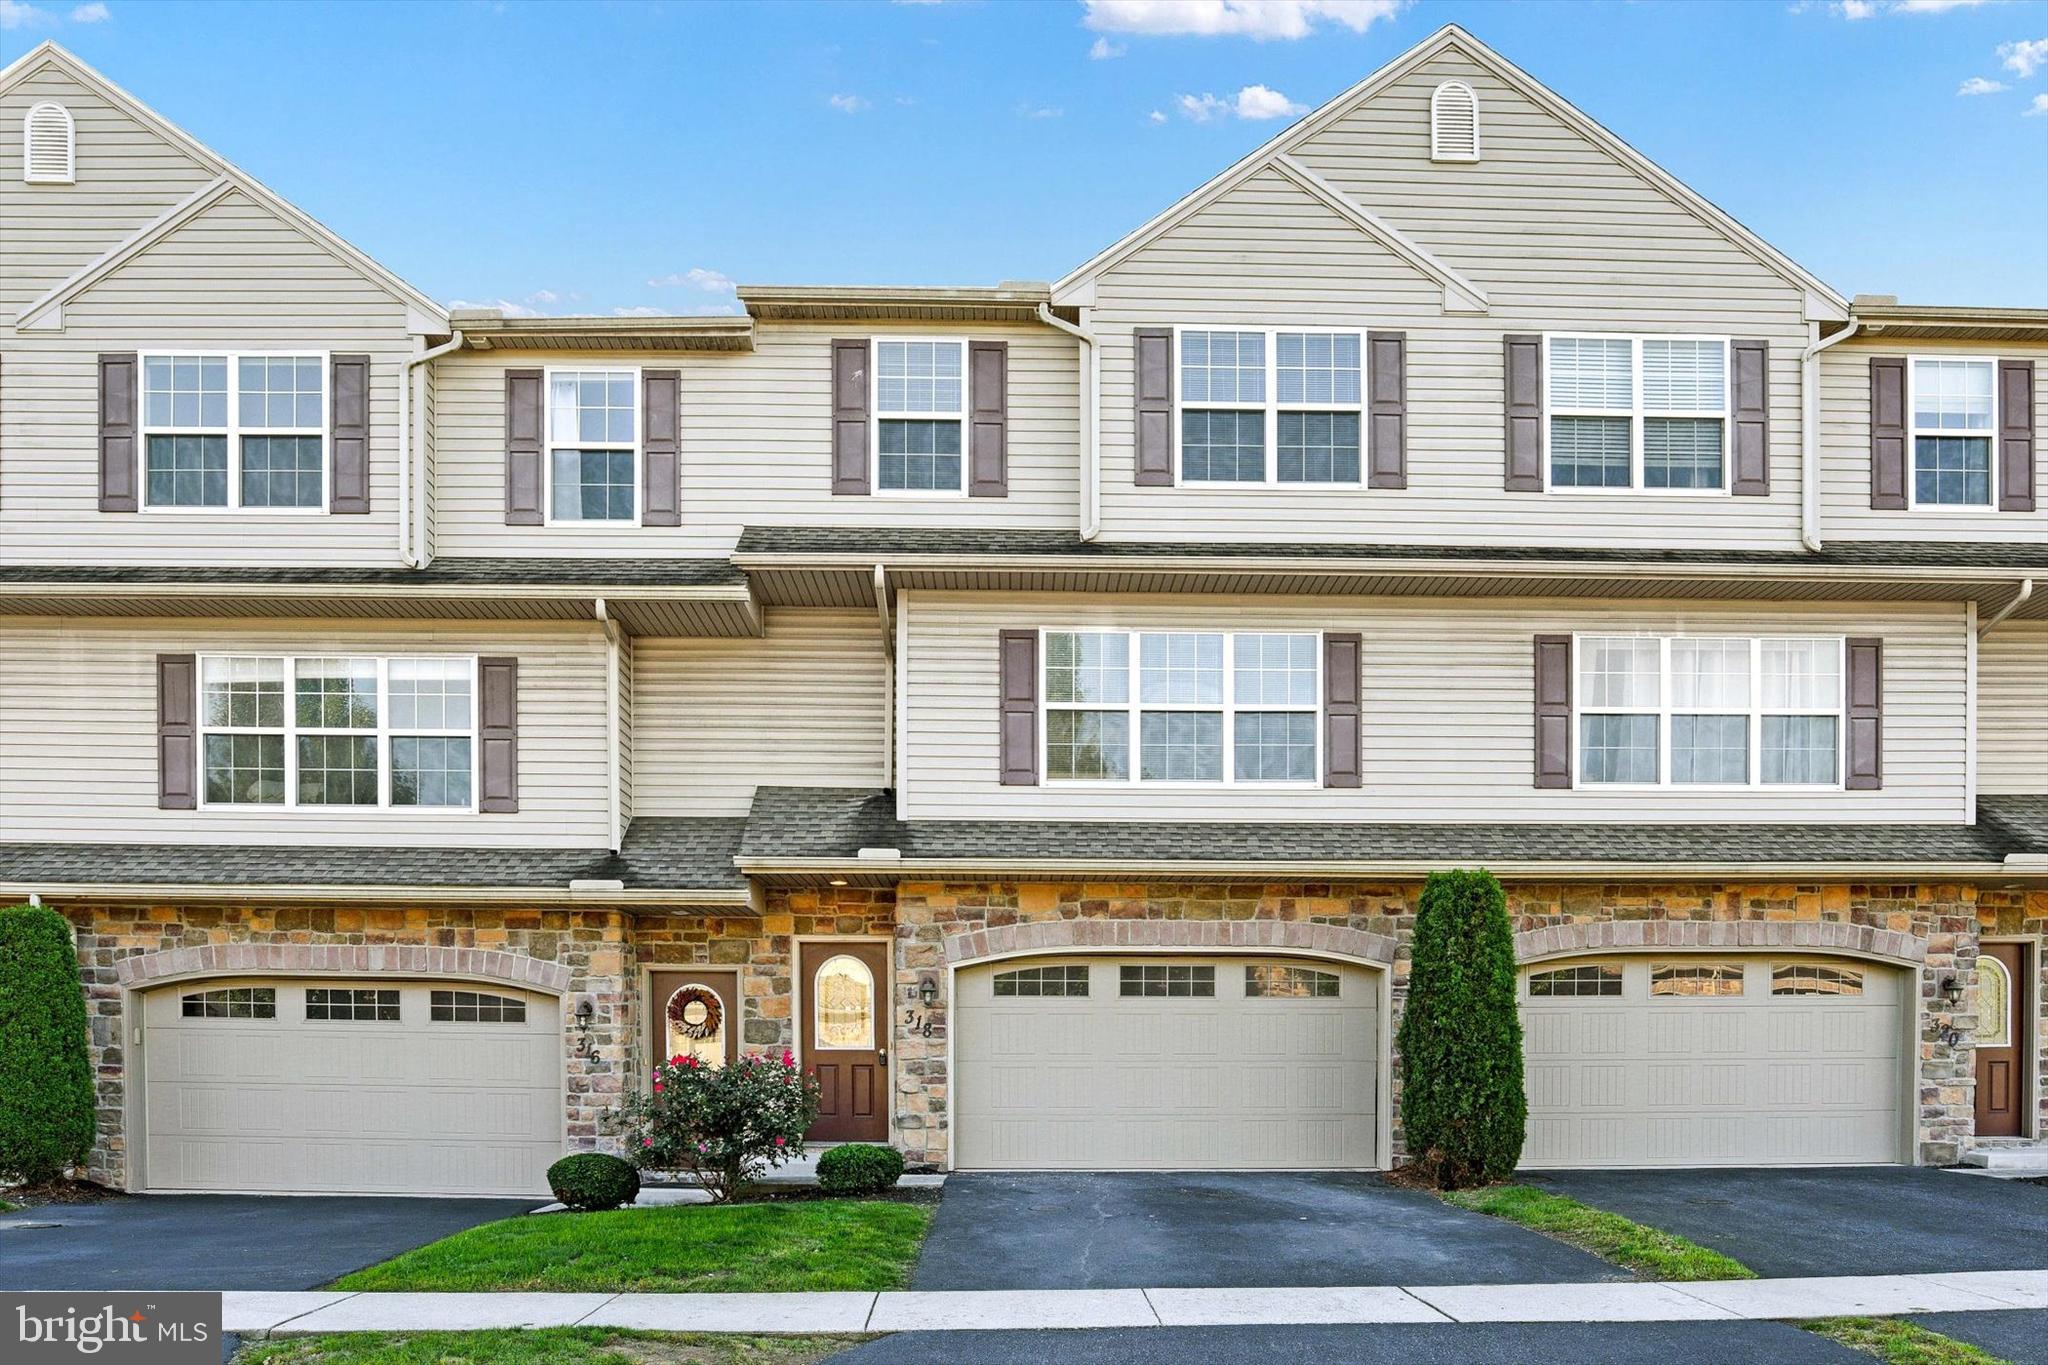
x=542 y=1346
x=1900 y=1343
x=1647 y=1251
x=739 y=1248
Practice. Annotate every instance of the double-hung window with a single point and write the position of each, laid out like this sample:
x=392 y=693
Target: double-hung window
x=920 y=406
x=593 y=460
x=1637 y=413
x=1181 y=706
x=1954 y=424
x=338 y=731
x=1709 y=711
x=222 y=430
x=1270 y=406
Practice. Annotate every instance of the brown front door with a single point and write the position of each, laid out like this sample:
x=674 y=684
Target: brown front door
x=2001 y=993
x=845 y=1038
x=693 y=1013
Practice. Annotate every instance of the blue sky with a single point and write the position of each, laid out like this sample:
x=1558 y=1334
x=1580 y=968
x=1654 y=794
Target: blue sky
x=590 y=157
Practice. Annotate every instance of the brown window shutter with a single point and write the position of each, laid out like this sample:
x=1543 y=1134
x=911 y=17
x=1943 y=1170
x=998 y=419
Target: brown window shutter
x=1864 y=768
x=348 y=461
x=988 y=371
x=1887 y=432
x=1386 y=406
x=523 y=475
x=1553 y=710
x=177 y=742
x=661 y=489
x=118 y=397
x=498 y=735
x=1019 y=703
x=2016 y=436
x=1343 y=727
x=850 y=418
x=1524 y=406
x=1152 y=388
x=1750 y=446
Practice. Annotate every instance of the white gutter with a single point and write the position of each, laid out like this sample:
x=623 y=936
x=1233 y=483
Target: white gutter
x=1809 y=434
x=611 y=724
x=2019 y=599
x=1090 y=434
x=407 y=556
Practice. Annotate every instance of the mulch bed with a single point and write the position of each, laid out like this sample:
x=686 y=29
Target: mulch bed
x=60 y=1192
x=792 y=1194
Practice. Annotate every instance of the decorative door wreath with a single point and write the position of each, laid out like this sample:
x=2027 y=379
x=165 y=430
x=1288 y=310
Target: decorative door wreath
x=695 y=1012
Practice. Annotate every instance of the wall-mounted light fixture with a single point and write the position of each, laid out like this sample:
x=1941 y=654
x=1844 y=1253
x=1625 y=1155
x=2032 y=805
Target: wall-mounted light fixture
x=1950 y=985
x=928 y=991
x=585 y=1012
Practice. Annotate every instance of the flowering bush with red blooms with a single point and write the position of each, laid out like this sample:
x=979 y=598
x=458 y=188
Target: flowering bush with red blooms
x=724 y=1125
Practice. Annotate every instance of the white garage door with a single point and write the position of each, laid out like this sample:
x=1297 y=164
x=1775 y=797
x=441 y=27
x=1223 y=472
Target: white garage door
x=1155 y=1063
x=351 y=1087
x=1714 y=1061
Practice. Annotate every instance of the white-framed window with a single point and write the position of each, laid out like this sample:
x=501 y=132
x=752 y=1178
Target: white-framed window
x=227 y=430
x=49 y=145
x=1272 y=405
x=593 y=451
x=338 y=732
x=1187 y=707
x=1708 y=711
x=1954 y=407
x=1636 y=413
x=920 y=422
x=1453 y=123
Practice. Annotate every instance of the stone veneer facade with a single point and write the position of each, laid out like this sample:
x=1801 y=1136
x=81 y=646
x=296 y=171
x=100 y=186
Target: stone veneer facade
x=600 y=955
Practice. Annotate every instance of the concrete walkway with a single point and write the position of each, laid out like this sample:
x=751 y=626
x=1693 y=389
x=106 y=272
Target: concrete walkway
x=1037 y=1309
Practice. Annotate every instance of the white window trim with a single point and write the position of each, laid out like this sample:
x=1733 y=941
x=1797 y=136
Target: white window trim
x=1635 y=412
x=1436 y=149
x=1272 y=406
x=234 y=431
x=876 y=416
x=1229 y=708
x=1914 y=432
x=547 y=449
x=28 y=121
x=291 y=730
x=1664 y=710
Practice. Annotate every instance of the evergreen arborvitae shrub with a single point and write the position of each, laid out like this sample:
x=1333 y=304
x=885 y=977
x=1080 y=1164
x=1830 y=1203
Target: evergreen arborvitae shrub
x=46 y=1090
x=1462 y=1102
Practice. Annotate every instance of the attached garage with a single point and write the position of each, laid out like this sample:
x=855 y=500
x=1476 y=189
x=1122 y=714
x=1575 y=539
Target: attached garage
x=351 y=1087
x=1167 y=1063
x=1696 y=1060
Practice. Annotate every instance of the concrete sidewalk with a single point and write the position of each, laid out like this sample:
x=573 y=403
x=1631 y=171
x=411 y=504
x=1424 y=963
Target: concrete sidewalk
x=1006 y=1310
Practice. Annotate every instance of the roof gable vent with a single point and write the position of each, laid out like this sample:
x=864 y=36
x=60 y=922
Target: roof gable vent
x=1454 y=123
x=48 y=146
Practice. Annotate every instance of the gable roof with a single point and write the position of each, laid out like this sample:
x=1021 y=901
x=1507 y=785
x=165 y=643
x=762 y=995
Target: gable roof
x=1451 y=37
x=431 y=317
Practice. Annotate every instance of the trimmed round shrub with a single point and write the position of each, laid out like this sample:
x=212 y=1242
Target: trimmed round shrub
x=1462 y=1103
x=859 y=1168
x=591 y=1182
x=46 y=1089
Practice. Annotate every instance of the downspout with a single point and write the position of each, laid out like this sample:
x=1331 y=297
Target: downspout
x=1809 y=435
x=611 y=723
x=1090 y=433
x=888 y=629
x=2019 y=599
x=407 y=556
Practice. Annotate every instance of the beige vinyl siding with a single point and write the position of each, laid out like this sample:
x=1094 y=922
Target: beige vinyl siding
x=1559 y=234
x=2012 y=710
x=803 y=706
x=1447 y=706
x=1845 y=511
x=756 y=445
x=78 y=717
x=234 y=278
x=429 y=429
x=127 y=176
x=628 y=653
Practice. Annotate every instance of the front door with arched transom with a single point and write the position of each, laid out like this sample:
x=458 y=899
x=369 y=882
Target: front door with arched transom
x=844 y=1033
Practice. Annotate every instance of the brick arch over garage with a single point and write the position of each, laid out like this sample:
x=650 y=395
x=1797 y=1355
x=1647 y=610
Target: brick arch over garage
x=1855 y=940
x=1110 y=935
x=298 y=959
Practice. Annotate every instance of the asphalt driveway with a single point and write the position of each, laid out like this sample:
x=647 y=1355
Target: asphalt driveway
x=1870 y=1220
x=1144 y=1230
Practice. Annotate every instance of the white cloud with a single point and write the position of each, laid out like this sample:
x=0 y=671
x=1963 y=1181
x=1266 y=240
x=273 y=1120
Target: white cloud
x=2038 y=108
x=1856 y=9
x=1934 y=6
x=1978 y=85
x=1259 y=19
x=1252 y=102
x=847 y=104
x=697 y=277
x=543 y=297
x=1156 y=116
x=505 y=306
x=14 y=14
x=2023 y=59
x=1104 y=50
x=1040 y=110
x=1870 y=9
x=638 y=311
x=95 y=13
